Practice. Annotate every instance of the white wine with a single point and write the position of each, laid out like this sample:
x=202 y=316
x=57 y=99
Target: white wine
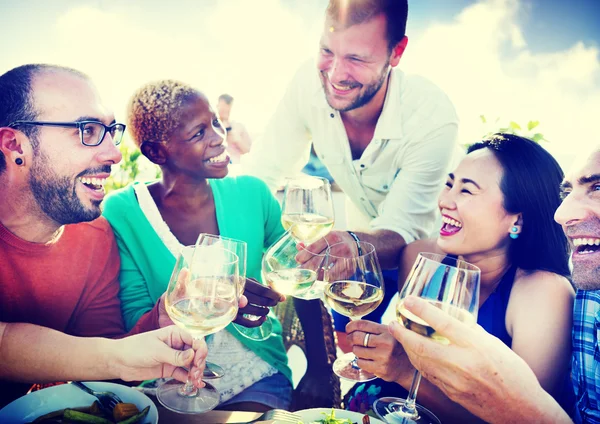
x=308 y=227
x=416 y=324
x=353 y=299
x=202 y=314
x=291 y=281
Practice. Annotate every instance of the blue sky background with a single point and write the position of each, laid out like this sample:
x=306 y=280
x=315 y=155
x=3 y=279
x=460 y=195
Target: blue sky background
x=505 y=59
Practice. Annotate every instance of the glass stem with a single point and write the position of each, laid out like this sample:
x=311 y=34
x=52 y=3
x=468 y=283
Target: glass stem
x=188 y=389
x=408 y=408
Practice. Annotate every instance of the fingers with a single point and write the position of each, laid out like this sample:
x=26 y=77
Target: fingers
x=241 y=320
x=242 y=302
x=254 y=310
x=444 y=324
x=271 y=298
x=366 y=327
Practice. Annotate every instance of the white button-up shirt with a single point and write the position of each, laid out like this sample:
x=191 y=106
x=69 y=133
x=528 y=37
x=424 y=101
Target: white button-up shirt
x=395 y=183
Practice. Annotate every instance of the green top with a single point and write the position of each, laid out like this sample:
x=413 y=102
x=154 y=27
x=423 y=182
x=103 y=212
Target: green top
x=246 y=210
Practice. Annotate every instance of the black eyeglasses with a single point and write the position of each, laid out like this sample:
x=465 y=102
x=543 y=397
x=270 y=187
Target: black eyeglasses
x=91 y=132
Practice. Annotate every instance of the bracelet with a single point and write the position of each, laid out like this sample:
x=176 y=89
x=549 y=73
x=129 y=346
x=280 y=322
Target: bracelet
x=357 y=240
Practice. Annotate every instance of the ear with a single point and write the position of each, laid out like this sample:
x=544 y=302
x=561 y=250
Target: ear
x=518 y=224
x=155 y=152
x=11 y=144
x=398 y=51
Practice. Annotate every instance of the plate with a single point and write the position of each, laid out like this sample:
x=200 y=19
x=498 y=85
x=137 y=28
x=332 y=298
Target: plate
x=310 y=415
x=33 y=405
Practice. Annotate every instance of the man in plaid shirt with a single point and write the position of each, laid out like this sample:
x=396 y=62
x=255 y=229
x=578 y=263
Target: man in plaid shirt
x=479 y=372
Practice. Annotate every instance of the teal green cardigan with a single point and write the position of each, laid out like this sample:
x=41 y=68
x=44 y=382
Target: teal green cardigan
x=246 y=210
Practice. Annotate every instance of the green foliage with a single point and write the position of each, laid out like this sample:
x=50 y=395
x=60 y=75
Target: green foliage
x=514 y=128
x=132 y=166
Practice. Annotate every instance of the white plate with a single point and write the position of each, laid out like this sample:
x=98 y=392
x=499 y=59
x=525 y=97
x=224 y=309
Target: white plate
x=35 y=404
x=310 y=415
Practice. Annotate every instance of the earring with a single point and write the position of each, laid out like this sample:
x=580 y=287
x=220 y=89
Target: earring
x=19 y=161
x=513 y=233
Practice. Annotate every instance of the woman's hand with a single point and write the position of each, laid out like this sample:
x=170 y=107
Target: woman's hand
x=259 y=299
x=383 y=355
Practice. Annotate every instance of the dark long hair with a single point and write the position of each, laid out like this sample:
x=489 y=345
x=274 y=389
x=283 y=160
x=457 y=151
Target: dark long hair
x=530 y=186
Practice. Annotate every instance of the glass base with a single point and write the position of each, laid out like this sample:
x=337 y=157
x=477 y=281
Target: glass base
x=345 y=367
x=314 y=292
x=212 y=371
x=389 y=409
x=263 y=332
x=170 y=396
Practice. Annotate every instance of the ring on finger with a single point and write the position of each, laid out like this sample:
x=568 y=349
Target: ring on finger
x=366 y=339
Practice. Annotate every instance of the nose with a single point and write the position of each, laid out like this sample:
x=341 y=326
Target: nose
x=337 y=71
x=571 y=211
x=446 y=200
x=109 y=152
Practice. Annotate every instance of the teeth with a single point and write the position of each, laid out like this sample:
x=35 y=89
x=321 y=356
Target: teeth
x=451 y=222
x=93 y=181
x=219 y=158
x=341 y=87
x=586 y=241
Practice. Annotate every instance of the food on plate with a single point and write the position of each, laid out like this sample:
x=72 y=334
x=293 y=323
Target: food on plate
x=123 y=413
x=331 y=419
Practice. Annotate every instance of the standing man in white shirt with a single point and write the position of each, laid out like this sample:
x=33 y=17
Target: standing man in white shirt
x=386 y=138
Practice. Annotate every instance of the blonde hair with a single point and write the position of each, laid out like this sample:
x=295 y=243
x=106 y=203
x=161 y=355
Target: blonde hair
x=154 y=110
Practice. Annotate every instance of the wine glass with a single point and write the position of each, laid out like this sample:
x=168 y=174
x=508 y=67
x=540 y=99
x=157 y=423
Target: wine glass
x=308 y=207
x=202 y=298
x=449 y=284
x=239 y=248
x=354 y=288
x=283 y=273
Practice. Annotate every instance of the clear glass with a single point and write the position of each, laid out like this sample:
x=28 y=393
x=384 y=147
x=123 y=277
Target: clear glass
x=202 y=298
x=307 y=207
x=285 y=274
x=240 y=248
x=354 y=288
x=451 y=285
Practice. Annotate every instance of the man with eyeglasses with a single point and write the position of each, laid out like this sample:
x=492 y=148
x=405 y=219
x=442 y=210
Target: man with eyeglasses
x=60 y=262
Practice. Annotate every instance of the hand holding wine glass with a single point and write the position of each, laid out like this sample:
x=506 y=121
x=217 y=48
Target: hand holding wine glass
x=307 y=207
x=452 y=286
x=354 y=288
x=202 y=297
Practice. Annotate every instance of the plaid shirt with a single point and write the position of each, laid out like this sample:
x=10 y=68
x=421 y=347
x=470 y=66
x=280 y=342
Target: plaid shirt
x=586 y=356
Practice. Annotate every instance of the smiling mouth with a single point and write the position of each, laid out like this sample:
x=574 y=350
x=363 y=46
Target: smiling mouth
x=93 y=183
x=450 y=226
x=219 y=158
x=586 y=246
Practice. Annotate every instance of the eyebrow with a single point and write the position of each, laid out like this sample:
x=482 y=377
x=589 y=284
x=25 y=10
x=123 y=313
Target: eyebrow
x=465 y=180
x=587 y=179
x=93 y=118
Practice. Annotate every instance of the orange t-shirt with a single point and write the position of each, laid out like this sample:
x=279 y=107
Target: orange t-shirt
x=70 y=285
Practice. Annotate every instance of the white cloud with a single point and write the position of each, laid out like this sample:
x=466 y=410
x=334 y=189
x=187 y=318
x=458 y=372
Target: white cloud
x=236 y=47
x=482 y=61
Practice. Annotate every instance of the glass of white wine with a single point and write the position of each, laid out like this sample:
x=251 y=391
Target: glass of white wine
x=308 y=207
x=202 y=298
x=354 y=288
x=449 y=284
x=284 y=274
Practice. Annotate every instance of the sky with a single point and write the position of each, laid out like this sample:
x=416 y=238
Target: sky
x=509 y=60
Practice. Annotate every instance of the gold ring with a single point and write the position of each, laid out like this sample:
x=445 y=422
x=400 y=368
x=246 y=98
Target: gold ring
x=366 y=340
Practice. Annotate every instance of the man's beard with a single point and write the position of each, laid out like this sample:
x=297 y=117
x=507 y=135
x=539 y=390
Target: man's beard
x=362 y=98
x=586 y=273
x=57 y=196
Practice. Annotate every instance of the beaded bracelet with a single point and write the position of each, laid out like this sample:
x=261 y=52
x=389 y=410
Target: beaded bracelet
x=357 y=240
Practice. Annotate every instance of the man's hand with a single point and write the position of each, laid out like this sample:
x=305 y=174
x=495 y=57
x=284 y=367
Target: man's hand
x=321 y=245
x=160 y=354
x=384 y=356
x=259 y=299
x=475 y=369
